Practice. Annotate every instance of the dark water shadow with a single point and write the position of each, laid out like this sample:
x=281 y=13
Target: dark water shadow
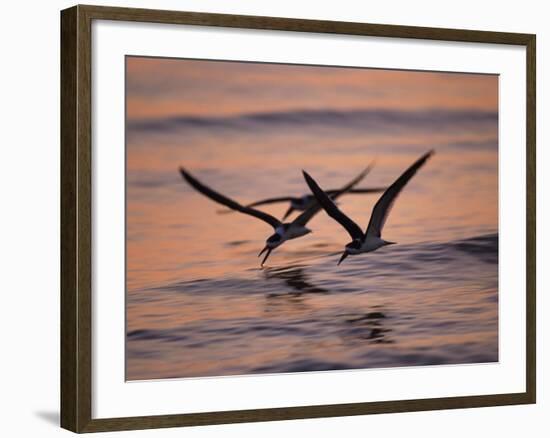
x=484 y=247
x=372 y=327
x=51 y=417
x=295 y=278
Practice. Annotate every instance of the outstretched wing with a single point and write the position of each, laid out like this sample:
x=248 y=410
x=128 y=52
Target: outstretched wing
x=332 y=210
x=280 y=199
x=332 y=192
x=265 y=202
x=219 y=198
x=306 y=216
x=367 y=190
x=270 y=201
x=383 y=206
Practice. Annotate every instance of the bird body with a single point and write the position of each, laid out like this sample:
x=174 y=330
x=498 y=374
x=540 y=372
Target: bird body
x=305 y=201
x=282 y=231
x=292 y=231
x=371 y=239
x=302 y=203
x=370 y=244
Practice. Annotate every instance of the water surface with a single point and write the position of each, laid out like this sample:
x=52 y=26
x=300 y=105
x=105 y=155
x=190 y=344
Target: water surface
x=198 y=303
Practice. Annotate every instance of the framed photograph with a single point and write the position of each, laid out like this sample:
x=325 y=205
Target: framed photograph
x=268 y=218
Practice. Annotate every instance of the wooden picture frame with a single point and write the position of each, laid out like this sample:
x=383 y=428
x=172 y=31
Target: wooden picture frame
x=76 y=218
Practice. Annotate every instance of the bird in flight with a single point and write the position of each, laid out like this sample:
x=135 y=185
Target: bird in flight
x=283 y=230
x=302 y=203
x=371 y=239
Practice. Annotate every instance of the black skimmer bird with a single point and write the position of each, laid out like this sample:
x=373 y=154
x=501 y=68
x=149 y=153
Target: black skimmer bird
x=371 y=239
x=283 y=230
x=302 y=203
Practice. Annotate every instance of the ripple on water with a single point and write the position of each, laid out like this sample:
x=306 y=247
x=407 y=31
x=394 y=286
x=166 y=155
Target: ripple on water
x=413 y=305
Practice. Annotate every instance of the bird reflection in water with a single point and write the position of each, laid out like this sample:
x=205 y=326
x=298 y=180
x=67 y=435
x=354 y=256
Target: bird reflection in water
x=361 y=327
x=298 y=286
x=295 y=278
x=356 y=327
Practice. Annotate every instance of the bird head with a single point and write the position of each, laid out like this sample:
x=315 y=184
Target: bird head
x=271 y=243
x=351 y=248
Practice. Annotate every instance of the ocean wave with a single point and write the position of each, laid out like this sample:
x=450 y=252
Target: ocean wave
x=427 y=303
x=365 y=119
x=430 y=258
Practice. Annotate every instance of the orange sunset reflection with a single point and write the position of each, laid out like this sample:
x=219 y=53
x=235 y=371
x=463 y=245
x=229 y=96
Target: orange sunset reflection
x=198 y=303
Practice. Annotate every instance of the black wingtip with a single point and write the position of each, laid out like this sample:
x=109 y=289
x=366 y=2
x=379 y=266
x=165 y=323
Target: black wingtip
x=371 y=166
x=308 y=178
x=187 y=176
x=190 y=179
x=423 y=159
